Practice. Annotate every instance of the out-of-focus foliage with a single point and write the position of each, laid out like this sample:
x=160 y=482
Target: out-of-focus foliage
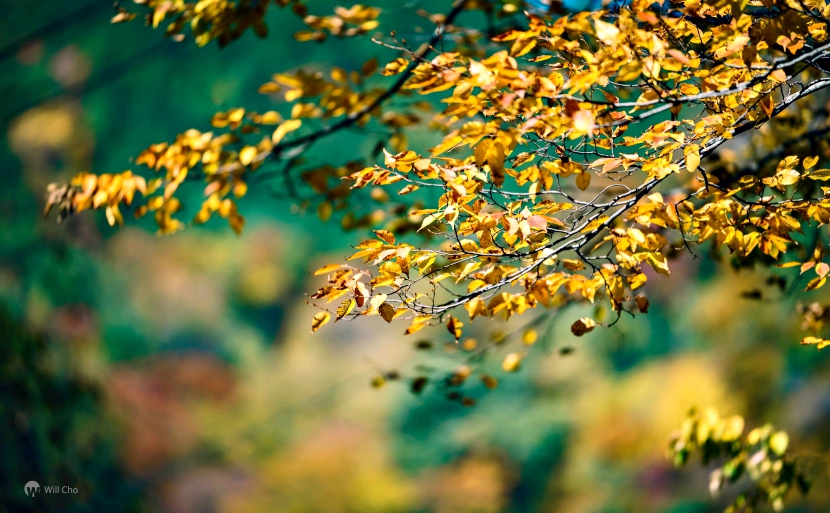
x=761 y=455
x=51 y=413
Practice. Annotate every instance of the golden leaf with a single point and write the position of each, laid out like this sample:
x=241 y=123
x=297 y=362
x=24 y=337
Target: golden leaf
x=779 y=75
x=319 y=320
x=327 y=269
x=418 y=323
x=606 y=32
x=512 y=362
x=819 y=174
x=819 y=342
x=247 y=155
x=778 y=442
x=395 y=67
x=572 y=264
x=345 y=308
x=385 y=235
x=284 y=129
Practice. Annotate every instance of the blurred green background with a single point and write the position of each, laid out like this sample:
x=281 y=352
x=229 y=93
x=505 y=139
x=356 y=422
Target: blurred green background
x=178 y=374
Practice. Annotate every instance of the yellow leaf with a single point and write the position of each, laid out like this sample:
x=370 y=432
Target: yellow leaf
x=815 y=283
x=284 y=129
x=572 y=264
x=395 y=67
x=733 y=428
x=385 y=235
x=319 y=320
x=418 y=323
x=345 y=308
x=606 y=32
x=428 y=220
x=584 y=122
x=327 y=269
x=512 y=362
x=271 y=117
x=449 y=143
x=819 y=342
x=819 y=174
x=637 y=281
x=785 y=265
x=376 y=301
x=523 y=46
x=409 y=188
x=247 y=155
x=529 y=337
x=693 y=158
x=779 y=442
x=658 y=262
x=593 y=225
x=779 y=75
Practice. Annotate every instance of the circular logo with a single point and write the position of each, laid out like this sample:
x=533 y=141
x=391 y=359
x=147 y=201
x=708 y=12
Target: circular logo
x=31 y=488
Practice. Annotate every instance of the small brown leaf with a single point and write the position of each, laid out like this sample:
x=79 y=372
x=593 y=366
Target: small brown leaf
x=454 y=327
x=583 y=326
x=583 y=180
x=418 y=384
x=489 y=381
x=642 y=303
x=387 y=311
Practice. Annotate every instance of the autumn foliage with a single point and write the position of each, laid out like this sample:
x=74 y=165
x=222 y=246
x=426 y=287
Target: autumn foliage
x=579 y=155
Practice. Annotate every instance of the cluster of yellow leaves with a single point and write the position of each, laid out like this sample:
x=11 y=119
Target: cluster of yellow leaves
x=345 y=22
x=538 y=118
x=223 y=20
x=760 y=454
x=248 y=139
x=106 y=191
x=223 y=168
x=338 y=94
x=227 y=20
x=553 y=147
